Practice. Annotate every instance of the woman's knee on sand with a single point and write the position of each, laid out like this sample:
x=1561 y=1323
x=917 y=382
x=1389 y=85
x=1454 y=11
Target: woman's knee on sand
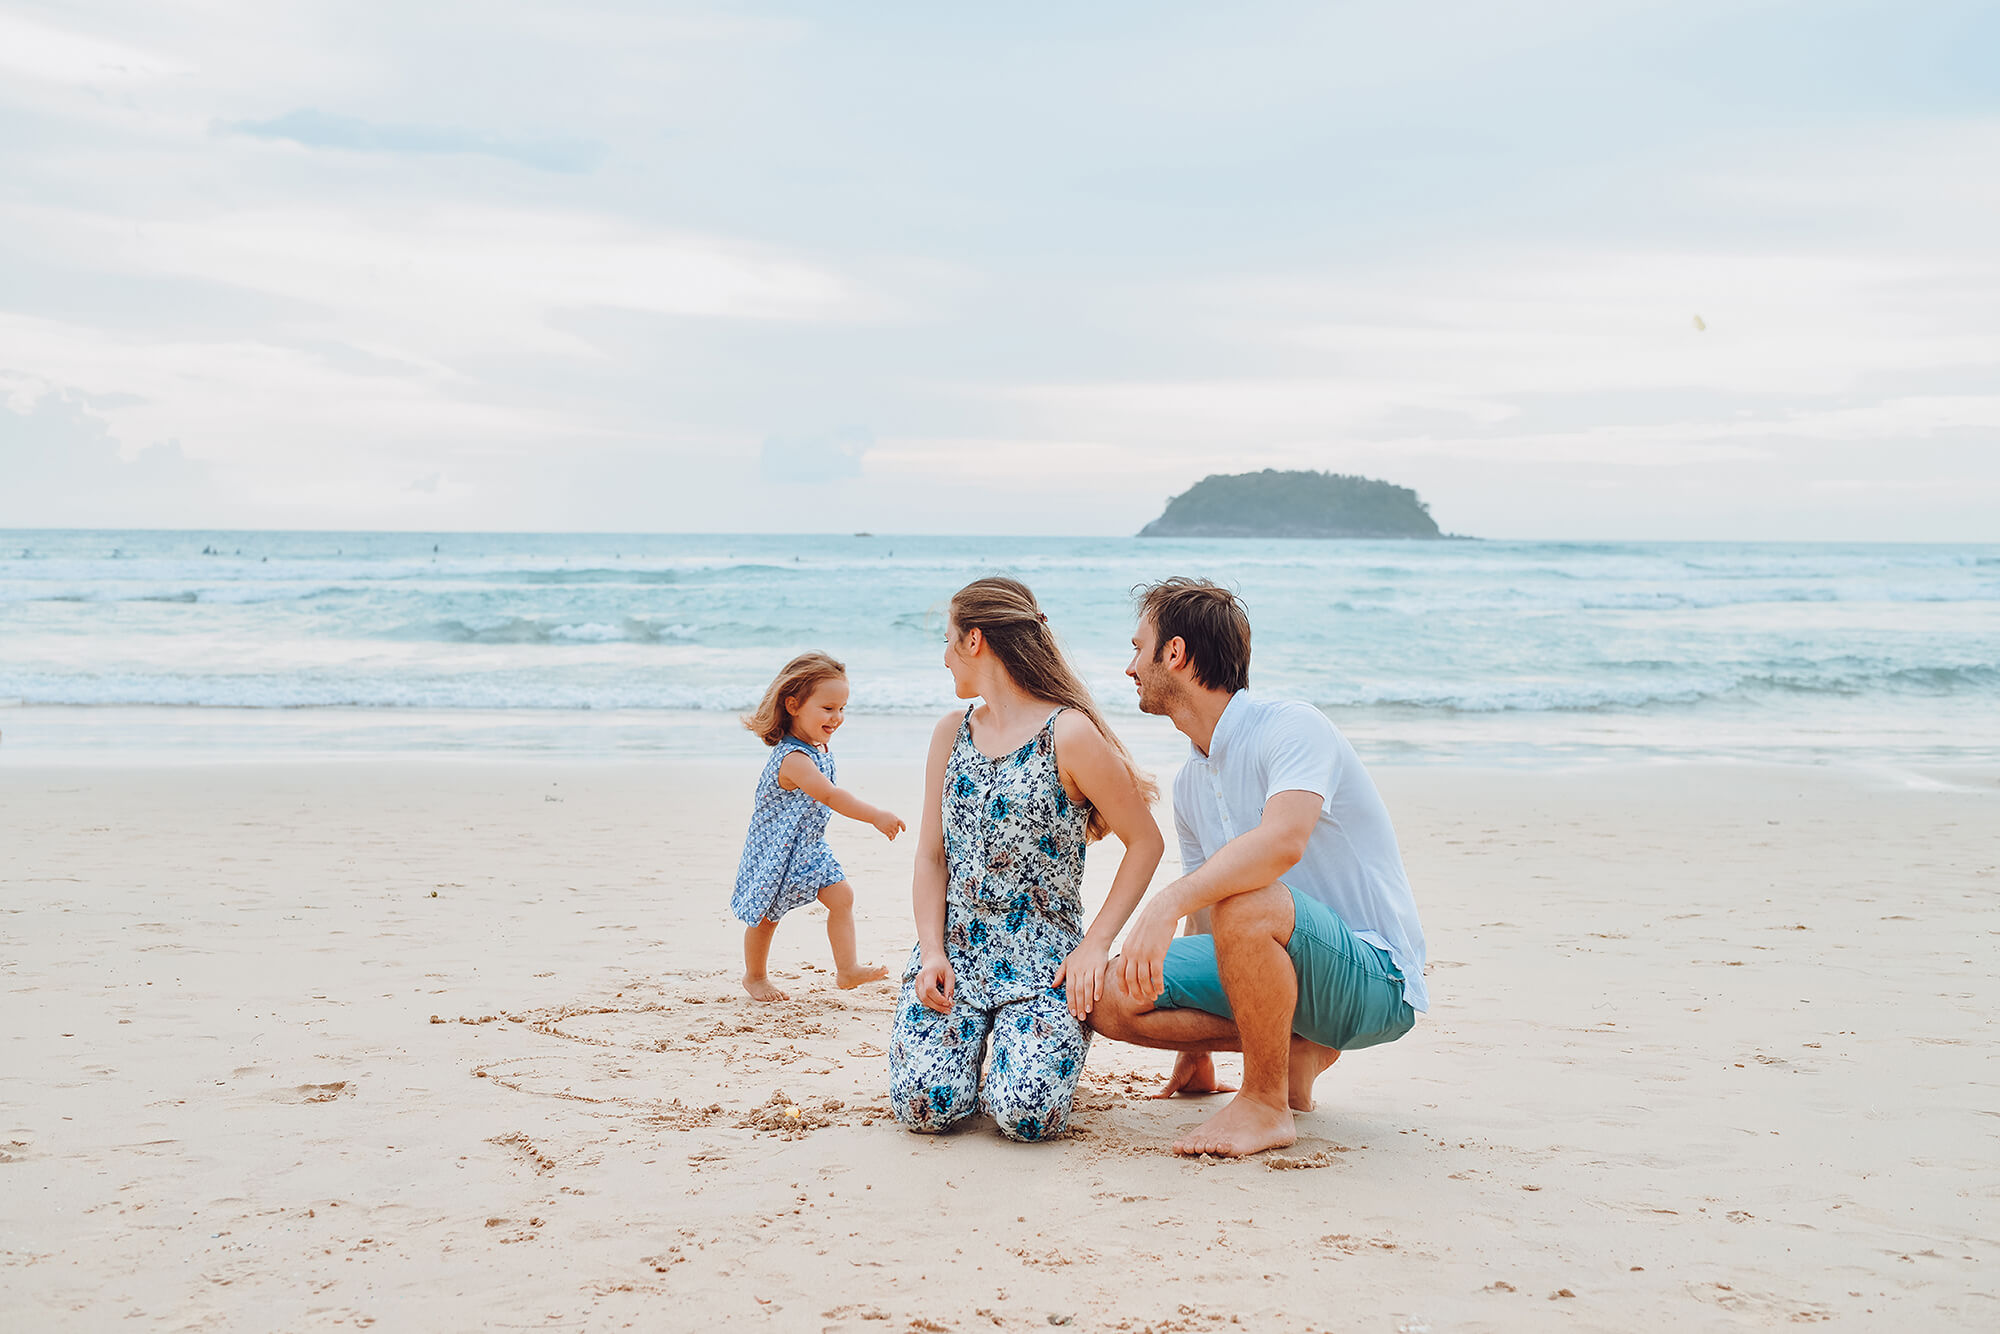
x=934 y=1063
x=1038 y=1056
x=929 y=1107
x=936 y=1078
x=1028 y=1108
x=1025 y=1103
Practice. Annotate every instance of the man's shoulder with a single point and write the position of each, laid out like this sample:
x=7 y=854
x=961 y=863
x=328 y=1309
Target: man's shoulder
x=1274 y=718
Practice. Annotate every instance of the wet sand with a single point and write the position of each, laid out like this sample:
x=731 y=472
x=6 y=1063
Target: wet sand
x=455 y=1045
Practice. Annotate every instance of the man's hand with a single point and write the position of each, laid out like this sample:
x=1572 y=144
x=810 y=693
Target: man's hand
x=1142 y=959
x=889 y=823
x=935 y=984
x=1194 y=1074
x=1082 y=976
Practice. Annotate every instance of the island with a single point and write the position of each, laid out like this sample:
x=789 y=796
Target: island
x=1294 y=504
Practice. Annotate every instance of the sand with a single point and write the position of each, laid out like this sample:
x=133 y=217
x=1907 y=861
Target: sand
x=450 y=1045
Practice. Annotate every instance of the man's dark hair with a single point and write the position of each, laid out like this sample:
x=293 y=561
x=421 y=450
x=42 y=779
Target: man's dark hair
x=1206 y=617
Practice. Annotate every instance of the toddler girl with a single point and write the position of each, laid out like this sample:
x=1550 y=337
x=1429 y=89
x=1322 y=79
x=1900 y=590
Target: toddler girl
x=786 y=862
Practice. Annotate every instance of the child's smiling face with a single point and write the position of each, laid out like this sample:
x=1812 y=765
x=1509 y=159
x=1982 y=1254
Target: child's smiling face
x=818 y=717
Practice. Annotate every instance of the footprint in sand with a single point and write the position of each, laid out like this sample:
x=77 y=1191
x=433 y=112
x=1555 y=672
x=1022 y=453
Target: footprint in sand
x=305 y=1093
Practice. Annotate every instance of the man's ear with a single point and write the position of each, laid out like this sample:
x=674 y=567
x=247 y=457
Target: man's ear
x=1177 y=654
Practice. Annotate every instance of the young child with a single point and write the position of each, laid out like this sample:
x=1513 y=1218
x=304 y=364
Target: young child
x=786 y=862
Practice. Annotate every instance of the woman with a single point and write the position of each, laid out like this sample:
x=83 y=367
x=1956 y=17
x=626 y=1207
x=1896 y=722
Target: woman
x=1015 y=787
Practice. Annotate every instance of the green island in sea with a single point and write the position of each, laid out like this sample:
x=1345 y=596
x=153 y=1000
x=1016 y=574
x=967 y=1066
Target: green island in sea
x=1294 y=504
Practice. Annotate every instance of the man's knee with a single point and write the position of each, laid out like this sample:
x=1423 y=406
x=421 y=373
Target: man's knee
x=1114 y=1014
x=838 y=896
x=1257 y=913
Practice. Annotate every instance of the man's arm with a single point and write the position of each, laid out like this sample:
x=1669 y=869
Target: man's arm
x=1247 y=862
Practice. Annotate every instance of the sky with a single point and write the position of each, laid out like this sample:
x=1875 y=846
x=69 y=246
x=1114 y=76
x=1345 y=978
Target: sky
x=1580 y=269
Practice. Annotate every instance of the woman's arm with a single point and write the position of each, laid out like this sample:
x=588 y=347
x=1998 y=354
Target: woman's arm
x=935 y=983
x=1085 y=759
x=797 y=771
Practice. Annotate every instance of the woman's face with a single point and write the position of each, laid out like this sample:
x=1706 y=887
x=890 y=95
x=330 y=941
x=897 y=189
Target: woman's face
x=958 y=661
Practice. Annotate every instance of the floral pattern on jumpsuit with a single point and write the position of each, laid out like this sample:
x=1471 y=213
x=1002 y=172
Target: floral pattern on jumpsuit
x=1013 y=849
x=786 y=861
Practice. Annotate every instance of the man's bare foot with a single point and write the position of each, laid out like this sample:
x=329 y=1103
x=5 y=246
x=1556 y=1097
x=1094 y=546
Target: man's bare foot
x=1309 y=1062
x=847 y=979
x=760 y=989
x=1193 y=1076
x=1244 y=1127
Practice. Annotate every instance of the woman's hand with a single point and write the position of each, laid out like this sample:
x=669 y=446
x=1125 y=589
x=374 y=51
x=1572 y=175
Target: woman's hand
x=1082 y=977
x=1142 y=960
x=935 y=984
x=889 y=823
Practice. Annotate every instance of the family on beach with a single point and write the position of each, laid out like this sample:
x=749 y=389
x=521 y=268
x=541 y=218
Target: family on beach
x=1291 y=934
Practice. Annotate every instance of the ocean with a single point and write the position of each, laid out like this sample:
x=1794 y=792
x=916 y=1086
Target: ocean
x=230 y=644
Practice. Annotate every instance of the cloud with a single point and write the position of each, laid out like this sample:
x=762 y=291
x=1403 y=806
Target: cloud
x=469 y=274
x=808 y=459
x=62 y=465
x=1065 y=273
x=54 y=55
x=313 y=128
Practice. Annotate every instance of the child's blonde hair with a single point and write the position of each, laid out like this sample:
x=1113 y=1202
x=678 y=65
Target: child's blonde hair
x=772 y=718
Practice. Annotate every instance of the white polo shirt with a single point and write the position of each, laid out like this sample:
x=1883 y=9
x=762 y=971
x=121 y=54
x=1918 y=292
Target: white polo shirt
x=1351 y=863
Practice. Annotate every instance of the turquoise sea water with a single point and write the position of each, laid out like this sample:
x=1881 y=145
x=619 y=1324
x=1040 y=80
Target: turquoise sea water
x=1490 y=652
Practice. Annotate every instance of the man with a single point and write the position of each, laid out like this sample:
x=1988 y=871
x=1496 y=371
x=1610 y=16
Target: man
x=1302 y=936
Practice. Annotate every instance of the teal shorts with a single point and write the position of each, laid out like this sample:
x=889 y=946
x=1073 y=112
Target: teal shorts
x=1350 y=993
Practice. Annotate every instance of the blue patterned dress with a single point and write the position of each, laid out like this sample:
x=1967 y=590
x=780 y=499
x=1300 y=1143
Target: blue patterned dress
x=786 y=861
x=1013 y=850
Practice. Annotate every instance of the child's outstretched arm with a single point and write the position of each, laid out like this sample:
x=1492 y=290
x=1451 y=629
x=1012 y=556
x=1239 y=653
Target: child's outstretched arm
x=799 y=772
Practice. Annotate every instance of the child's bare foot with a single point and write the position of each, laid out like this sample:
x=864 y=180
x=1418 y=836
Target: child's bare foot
x=847 y=979
x=1309 y=1062
x=760 y=989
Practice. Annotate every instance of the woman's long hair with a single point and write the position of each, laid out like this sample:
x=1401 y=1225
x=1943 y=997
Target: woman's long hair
x=1005 y=611
x=772 y=718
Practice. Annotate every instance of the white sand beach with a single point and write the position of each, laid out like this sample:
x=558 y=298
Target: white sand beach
x=454 y=1045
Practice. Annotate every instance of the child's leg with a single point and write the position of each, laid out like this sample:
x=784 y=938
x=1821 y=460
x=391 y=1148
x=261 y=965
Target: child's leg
x=1038 y=1053
x=934 y=1062
x=847 y=969
x=756 y=953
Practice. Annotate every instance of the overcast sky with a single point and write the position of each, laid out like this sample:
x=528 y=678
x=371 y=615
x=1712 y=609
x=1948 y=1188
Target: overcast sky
x=1022 y=268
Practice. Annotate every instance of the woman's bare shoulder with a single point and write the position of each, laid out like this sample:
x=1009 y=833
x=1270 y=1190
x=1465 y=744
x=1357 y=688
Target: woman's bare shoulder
x=1074 y=725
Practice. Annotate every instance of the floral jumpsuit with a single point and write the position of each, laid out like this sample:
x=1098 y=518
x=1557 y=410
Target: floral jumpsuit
x=1013 y=848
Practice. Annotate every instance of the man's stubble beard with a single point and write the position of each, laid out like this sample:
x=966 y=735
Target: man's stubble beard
x=1158 y=698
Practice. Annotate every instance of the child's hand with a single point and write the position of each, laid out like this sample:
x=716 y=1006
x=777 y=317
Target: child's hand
x=889 y=823
x=1082 y=976
x=935 y=985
